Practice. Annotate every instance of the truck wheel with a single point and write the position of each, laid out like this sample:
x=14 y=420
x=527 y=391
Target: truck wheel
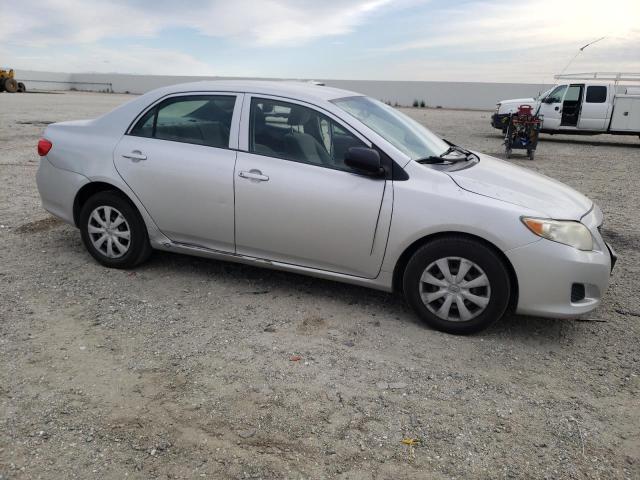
x=457 y=285
x=10 y=85
x=21 y=87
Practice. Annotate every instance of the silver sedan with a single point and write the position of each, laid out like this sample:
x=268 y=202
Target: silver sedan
x=328 y=183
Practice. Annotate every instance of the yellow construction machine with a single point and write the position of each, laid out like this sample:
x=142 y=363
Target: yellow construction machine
x=8 y=83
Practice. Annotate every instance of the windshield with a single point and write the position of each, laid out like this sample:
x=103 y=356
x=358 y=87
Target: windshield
x=399 y=130
x=543 y=95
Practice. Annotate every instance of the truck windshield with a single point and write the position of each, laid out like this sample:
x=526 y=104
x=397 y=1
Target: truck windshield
x=543 y=95
x=556 y=94
x=399 y=130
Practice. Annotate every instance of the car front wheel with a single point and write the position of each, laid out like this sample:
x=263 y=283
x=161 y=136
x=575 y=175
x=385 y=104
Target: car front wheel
x=457 y=285
x=113 y=231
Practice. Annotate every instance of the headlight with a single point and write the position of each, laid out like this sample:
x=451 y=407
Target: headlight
x=574 y=234
x=497 y=107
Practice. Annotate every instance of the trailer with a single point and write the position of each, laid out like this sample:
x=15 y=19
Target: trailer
x=522 y=132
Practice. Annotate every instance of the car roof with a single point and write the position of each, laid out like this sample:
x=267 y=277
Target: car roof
x=283 y=88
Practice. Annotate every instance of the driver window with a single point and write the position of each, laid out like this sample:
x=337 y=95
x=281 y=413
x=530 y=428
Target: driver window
x=573 y=94
x=557 y=94
x=301 y=134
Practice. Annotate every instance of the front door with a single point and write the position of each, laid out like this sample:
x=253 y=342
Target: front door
x=177 y=160
x=551 y=108
x=296 y=200
x=571 y=106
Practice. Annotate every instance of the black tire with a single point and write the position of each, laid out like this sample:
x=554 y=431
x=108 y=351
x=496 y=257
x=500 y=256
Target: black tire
x=21 y=87
x=478 y=253
x=531 y=154
x=10 y=85
x=139 y=248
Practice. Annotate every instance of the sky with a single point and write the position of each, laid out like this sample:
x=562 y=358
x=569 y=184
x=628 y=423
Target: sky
x=466 y=40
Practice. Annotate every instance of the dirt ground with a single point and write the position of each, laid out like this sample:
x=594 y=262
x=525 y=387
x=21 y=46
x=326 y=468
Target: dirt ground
x=182 y=368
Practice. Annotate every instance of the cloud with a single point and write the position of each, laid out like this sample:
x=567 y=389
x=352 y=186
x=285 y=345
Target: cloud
x=528 y=67
x=135 y=59
x=507 y=25
x=261 y=22
x=486 y=40
x=519 y=41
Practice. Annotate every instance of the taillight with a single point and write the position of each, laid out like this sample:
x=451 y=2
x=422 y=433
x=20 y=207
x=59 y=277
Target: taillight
x=44 y=146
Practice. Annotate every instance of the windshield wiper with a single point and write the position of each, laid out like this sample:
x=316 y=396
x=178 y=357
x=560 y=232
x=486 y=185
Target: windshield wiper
x=455 y=148
x=442 y=158
x=433 y=159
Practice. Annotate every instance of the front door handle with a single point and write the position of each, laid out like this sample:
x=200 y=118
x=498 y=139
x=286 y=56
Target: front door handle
x=254 y=175
x=136 y=156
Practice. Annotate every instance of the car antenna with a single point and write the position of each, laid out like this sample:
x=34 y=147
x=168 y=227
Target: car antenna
x=580 y=50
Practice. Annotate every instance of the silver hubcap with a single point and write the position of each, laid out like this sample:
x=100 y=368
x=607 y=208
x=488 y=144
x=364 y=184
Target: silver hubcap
x=455 y=289
x=109 y=232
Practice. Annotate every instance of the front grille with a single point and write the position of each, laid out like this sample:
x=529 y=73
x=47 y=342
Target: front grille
x=577 y=292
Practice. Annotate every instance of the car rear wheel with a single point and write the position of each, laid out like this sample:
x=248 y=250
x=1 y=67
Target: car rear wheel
x=113 y=231
x=457 y=285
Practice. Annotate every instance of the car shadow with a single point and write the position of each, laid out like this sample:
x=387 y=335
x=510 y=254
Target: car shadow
x=251 y=280
x=576 y=140
x=255 y=280
x=544 y=331
x=596 y=143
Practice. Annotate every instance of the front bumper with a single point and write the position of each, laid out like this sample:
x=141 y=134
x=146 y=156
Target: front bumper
x=613 y=255
x=548 y=271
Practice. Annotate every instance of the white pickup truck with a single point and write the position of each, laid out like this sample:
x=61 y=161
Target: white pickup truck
x=585 y=103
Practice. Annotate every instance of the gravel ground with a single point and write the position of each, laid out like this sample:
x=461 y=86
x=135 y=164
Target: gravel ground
x=183 y=368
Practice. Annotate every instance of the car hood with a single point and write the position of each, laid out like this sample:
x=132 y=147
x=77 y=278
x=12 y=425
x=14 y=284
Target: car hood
x=518 y=101
x=501 y=180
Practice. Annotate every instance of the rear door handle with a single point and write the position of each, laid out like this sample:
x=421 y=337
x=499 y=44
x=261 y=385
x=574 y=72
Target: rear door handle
x=254 y=175
x=136 y=156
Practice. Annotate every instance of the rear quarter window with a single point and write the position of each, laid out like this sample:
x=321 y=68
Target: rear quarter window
x=596 y=94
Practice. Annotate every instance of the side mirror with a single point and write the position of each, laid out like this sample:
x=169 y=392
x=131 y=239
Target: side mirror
x=364 y=160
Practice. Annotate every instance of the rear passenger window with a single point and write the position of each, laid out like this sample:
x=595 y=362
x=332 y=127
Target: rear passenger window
x=198 y=119
x=596 y=94
x=144 y=127
x=293 y=132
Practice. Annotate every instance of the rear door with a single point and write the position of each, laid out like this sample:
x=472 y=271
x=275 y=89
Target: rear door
x=595 y=108
x=296 y=200
x=179 y=159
